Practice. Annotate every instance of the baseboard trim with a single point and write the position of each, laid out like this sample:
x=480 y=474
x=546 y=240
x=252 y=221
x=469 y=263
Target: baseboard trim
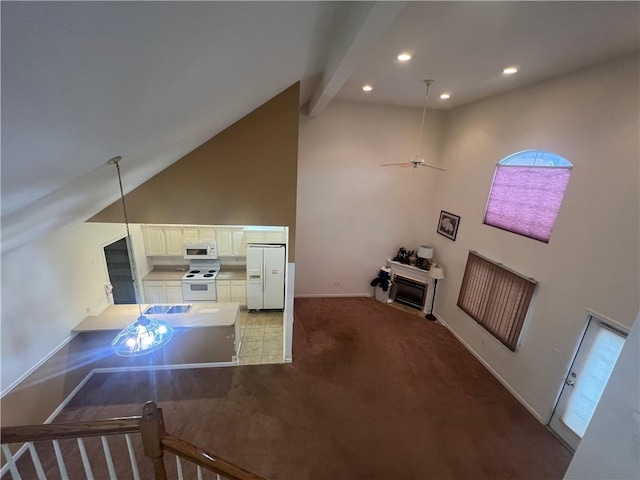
x=23 y=377
x=320 y=295
x=506 y=384
x=178 y=366
x=66 y=401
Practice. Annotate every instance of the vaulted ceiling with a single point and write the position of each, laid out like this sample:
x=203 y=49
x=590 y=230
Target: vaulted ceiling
x=150 y=81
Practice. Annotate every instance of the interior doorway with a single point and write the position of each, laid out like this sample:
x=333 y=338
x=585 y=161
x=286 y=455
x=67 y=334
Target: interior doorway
x=588 y=376
x=119 y=269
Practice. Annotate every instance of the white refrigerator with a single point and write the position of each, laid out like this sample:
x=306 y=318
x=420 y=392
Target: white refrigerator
x=265 y=276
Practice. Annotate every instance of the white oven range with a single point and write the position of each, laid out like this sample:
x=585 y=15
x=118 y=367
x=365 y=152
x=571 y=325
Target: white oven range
x=199 y=284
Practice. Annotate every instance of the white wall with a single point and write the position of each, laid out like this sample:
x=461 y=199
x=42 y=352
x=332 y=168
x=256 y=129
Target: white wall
x=610 y=447
x=353 y=214
x=49 y=286
x=591 y=118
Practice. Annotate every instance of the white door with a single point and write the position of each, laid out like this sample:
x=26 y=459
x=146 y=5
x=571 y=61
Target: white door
x=273 y=277
x=587 y=379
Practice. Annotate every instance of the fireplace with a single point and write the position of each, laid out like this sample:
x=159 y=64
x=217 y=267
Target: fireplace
x=409 y=292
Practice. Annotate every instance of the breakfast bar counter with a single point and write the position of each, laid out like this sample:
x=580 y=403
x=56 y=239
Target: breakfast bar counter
x=205 y=314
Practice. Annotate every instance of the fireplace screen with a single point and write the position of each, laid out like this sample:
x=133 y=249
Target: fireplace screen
x=409 y=292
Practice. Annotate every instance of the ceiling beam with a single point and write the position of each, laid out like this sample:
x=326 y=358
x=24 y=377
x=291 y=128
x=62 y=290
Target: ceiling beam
x=363 y=26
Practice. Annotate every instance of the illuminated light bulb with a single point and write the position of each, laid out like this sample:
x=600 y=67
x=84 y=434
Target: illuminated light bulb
x=445 y=96
x=404 y=57
x=509 y=70
x=367 y=88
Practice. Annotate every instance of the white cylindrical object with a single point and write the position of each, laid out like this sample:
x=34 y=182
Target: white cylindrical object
x=436 y=272
x=425 y=251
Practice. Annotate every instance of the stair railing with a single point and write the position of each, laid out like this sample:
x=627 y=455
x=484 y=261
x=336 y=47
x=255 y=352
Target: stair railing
x=155 y=443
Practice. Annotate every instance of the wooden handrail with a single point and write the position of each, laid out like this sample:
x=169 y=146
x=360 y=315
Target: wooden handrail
x=155 y=441
x=196 y=455
x=56 y=431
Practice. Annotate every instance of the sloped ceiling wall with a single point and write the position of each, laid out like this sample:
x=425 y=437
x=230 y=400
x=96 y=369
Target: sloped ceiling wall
x=246 y=175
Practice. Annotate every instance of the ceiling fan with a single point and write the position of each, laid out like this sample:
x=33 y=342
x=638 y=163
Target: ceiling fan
x=418 y=161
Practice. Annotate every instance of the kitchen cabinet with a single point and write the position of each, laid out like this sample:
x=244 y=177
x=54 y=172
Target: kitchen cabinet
x=153 y=240
x=223 y=290
x=190 y=234
x=196 y=234
x=206 y=234
x=162 y=291
x=173 y=236
x=162 y=240
x=230 y=241
x=239 y=292
x=167 y=240
x=232 y=291
x=174 y=291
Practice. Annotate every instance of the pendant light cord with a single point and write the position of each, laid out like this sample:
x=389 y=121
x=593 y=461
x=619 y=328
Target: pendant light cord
x=424 y=111
x=132 y=263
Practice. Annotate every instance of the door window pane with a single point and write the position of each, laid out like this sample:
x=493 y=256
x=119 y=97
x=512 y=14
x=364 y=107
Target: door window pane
x=590 y=384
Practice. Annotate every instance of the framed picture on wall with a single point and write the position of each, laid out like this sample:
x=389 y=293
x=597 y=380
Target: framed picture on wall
x=448 y=225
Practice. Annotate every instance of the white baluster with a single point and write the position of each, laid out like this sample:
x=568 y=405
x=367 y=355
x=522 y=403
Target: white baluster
x=61 y=466
x=11 y=462
x=36 y=461
x=132 y=457
x=107 y=456
x=199 y=472
x=179 y=468
x=85 y=460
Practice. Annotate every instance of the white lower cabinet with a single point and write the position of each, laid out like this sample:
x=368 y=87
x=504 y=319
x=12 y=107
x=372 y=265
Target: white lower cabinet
x=239 y=292
x=223 y=290
x=162 y=291
x=174 y=291
x=232 y=291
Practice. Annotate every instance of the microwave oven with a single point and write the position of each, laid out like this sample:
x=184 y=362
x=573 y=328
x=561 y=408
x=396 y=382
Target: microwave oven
x=205 y=250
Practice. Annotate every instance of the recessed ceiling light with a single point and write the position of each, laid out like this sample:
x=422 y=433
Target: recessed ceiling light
x=367 y=88
x=444 y=96
x=403 y=57
x=510 y=70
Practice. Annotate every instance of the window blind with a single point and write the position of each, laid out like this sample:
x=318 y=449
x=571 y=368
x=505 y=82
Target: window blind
x=526 y=200
x=496 y=297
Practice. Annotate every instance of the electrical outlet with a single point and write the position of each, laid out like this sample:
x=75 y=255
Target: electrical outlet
x=336 y=284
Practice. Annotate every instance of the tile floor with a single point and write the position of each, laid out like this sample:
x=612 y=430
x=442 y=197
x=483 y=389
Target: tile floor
x=261 y=337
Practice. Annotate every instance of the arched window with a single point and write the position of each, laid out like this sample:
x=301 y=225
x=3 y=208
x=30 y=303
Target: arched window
x=526 y=193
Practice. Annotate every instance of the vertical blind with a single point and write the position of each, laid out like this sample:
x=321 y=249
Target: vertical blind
x=526 y=200
x=495 y=297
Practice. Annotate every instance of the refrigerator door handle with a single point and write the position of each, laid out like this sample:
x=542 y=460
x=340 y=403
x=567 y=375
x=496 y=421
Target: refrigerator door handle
x=264 y=279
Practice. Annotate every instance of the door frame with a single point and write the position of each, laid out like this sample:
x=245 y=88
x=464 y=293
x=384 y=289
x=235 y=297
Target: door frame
x=607 y=323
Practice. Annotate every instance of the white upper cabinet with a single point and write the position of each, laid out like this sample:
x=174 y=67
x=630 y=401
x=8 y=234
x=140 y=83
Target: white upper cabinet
x=224 y=239
x=153 y=240
x=173 y=236
x=167 y=240
x=206 y=234
x=190 y=234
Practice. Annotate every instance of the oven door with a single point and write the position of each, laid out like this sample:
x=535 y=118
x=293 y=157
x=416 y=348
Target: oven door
x=199 y=291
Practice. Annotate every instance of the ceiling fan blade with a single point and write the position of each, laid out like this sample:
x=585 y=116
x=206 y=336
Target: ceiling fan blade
x=404 y=164
x=436 y=167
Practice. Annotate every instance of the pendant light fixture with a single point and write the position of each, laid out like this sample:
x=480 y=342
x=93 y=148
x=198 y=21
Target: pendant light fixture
x=418 y=161
x=145 y=335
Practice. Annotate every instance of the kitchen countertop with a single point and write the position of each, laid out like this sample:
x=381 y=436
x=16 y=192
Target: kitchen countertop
x=165 y=275
x=205 y=314
x=175 y=274
x=232 y=275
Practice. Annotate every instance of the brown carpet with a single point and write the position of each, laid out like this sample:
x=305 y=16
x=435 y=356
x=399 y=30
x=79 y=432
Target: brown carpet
x=373 y=393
